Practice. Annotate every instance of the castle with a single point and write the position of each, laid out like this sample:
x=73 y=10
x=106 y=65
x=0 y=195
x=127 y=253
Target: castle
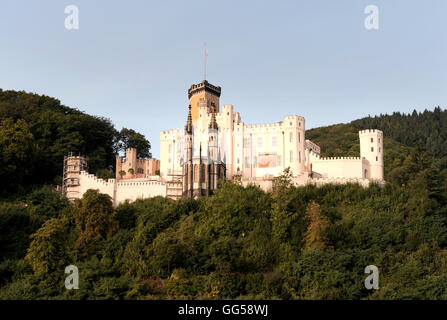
x=216 y=145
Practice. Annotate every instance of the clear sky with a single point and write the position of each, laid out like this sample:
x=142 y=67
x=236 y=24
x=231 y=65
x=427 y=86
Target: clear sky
x=133 y=61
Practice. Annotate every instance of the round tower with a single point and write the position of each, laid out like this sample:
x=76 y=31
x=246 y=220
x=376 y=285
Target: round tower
x=73 y=165
x=371 y=150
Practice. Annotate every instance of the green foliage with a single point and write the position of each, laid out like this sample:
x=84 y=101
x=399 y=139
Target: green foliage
x=36 y=132
x=48 y=253
x=94 y=222
x=128 y=138
x=242 y=243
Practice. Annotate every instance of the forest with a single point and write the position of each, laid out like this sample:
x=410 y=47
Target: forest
x=240 y=243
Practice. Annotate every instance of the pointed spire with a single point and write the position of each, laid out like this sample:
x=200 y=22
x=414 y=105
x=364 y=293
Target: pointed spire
x=188 y=126
x=213 y=123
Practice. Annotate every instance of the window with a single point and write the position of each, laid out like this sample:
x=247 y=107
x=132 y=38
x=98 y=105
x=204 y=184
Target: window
x=170 y=148
x=196 y=173
x=238 y=161
x=299 y=137
x=372 y=140
x=299 y=156
x=247 y=142
x=379 y=149
x=247 y=162
x=274 y=141
x=377 y=158
x=372 y=149
x=291 y=156
x=291 y=136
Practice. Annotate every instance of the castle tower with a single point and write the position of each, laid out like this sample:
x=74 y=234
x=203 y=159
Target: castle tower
x=73 y=165
x=371 y=150
x=204 y=91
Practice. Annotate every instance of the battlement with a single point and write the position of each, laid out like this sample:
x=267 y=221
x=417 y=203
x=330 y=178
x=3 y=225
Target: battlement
x=318 y=157
x=96 y=179
x=369 y=131
x=206 y=86
x=139 y=183
x=264 y=125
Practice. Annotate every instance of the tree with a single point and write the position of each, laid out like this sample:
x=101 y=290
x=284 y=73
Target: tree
x=315 y=237
x=16 y=153
x=122 y=173
x=49 y=252
x=94 y=222
x=129 y=138
x=131 y=171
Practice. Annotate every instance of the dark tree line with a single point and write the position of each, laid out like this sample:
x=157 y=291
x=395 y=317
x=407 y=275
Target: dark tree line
x=36 y=132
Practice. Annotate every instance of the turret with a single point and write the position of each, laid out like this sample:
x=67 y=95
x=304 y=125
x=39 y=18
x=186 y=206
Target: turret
x=371 y=149
x=188 y=165
x=213 y=135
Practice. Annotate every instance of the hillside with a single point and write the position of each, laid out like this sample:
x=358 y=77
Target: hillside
x=402 y=133
x=36 y=132
x=292 y=243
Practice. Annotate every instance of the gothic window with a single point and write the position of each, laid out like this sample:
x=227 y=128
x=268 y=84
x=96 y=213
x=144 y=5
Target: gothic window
x=372 y=140
x=196 y=173
x=372 y=149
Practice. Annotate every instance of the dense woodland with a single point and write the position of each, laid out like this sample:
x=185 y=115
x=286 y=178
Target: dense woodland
x=292 y=243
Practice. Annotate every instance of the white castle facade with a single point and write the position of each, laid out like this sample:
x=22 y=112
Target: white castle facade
x=217 y=145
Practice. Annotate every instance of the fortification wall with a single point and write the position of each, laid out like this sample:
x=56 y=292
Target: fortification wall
x=337 y=167
x=90 y=181
x=133 y=190
x=122 y=190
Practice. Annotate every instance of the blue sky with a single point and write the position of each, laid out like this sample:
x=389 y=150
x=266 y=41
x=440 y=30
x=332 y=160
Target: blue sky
x=133 y=61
